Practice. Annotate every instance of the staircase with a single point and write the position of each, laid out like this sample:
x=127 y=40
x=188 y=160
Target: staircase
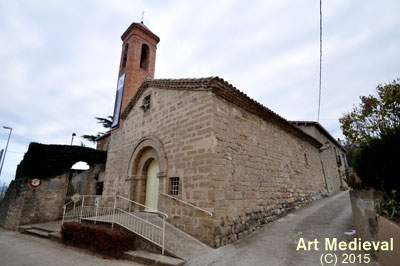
x=45 y=230
x=137 y=218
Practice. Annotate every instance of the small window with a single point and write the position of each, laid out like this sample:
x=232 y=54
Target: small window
x=144 y=57
x=125 y=56
x=99 y=188
x=305 y=159
x=146 y=103
x=174 y=186
x=338 y=160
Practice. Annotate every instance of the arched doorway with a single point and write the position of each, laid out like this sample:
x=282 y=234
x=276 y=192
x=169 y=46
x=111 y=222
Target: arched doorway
x=147 y=172
x=152 y=185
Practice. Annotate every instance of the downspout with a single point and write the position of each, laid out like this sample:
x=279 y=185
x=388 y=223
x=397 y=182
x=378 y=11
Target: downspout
x=323 y=172
x=321 y=150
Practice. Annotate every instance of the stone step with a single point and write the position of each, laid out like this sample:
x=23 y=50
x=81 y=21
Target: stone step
x=56 y=236
x=42 y=228
x=150 y=258
x=22 y=228
x=36 y=232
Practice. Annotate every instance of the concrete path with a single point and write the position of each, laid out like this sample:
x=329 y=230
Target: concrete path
x=275 y=244
x=17 y=249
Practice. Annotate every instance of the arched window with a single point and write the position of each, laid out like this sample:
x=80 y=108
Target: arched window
x=125 y=56
x=144 y=57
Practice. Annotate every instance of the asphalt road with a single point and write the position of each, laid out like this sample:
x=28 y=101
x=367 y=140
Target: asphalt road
x=275 y=244
x=23 y=250
x=272 y=245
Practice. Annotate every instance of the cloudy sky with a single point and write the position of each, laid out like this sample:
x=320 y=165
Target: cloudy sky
x=59 y=59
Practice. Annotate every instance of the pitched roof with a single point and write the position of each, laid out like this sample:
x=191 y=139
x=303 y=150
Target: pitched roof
x=141 y=27
x=226 y=91
x=321 y=129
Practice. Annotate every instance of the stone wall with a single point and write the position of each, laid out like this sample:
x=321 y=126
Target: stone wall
x=178 y=128
x=44 y=203
x=11 y=205
x=84 y=183
x=261 y=171
x=231 y=162
x=24 y=204
x=365 y=221
x=335 y=173
x=102 y=143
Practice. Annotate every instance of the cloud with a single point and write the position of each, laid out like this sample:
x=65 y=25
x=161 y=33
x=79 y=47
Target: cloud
x=60 y=58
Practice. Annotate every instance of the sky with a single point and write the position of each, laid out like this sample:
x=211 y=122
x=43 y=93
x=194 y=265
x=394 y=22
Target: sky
x=59 y=59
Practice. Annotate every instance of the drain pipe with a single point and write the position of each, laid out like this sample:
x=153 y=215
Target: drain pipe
x=321 y=150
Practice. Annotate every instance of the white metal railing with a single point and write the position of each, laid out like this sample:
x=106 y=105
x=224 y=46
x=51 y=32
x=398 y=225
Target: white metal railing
x=118 y=210
x=187 y=203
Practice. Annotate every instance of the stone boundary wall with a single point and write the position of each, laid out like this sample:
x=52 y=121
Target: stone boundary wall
x=363 y=205
x=45 y=203
x=11 y=206
x=27 y=205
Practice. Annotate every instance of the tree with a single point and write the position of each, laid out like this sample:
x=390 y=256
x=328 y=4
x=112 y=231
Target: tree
x=374 y=116
x=106 y=122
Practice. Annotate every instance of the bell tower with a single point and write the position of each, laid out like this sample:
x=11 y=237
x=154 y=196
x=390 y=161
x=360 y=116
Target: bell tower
x=137 y=63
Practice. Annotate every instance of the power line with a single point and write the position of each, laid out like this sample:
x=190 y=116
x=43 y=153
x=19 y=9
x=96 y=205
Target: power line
x=320 y=58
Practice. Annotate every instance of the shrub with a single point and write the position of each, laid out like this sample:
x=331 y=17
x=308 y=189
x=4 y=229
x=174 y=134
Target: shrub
x=377 y=162
x=47 y=160
x=390 y=206
x=111 y=242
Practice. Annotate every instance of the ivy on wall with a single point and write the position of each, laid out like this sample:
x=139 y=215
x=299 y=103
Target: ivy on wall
x=48 y=160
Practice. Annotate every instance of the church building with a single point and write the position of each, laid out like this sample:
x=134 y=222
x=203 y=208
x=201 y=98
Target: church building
x=217 y=162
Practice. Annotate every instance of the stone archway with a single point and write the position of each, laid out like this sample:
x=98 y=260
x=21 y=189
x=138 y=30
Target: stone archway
x=148 y=163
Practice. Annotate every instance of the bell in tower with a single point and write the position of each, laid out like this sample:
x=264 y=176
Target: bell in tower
x=138 y=60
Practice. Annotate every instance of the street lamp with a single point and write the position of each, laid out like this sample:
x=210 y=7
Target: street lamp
x=72 y=139
x=5 y=152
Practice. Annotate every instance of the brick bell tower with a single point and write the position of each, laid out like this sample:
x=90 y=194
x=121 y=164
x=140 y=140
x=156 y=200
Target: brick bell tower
x=137 y=63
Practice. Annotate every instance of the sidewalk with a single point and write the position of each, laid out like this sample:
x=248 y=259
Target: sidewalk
x=19 y=249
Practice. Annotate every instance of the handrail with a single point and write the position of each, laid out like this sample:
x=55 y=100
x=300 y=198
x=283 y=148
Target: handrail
x=147 y=207
x=187 y=203
x=68 y=203
x=139 y=218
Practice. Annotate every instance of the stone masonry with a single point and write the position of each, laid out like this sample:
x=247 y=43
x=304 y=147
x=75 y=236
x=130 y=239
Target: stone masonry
x=244 y=169
x=332 y=154
x=27 y=205
x=232 y=156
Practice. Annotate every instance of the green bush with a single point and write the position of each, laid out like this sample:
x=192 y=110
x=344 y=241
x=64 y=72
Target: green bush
x=377 y=162
x=44 y=161
x=390 y=205
x=110 y=242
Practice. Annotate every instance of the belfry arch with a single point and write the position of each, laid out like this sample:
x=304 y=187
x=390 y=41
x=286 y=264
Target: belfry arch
x=147 y=170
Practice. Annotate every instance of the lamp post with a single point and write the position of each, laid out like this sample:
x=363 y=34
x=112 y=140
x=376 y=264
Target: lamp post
x=72 y=139
x=5 y=152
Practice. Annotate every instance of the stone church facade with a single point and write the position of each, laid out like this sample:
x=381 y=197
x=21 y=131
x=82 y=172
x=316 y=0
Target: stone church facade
x=217 y=162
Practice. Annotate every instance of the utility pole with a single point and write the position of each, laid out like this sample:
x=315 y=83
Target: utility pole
x=72 y=139
x=5 y=152
x=320 y=59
